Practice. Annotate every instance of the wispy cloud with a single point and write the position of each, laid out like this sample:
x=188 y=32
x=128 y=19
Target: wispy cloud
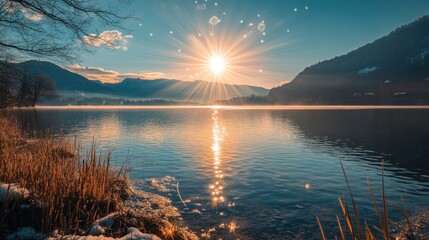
x=26 y=12
x=30 y=15
x=201 y=7
x=110 y=76
x=34 y=16
x=112 y=39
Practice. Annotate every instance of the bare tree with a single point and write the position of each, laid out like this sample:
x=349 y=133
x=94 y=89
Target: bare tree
x=50 y=29
x=54 y=29
x=23 y=93
x=7 y=88
x=41 y=86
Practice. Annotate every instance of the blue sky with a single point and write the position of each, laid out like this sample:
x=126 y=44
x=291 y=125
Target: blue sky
x=175 y=39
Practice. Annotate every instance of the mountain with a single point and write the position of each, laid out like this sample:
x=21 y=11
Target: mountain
x=70 y=84
x=391 y=70
x=198 y=91
x=67 y=83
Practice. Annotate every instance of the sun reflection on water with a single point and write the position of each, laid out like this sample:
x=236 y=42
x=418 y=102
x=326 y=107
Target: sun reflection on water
x=217 y=187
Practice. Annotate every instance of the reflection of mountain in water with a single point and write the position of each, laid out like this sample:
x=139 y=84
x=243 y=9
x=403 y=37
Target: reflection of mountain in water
x=401 y=137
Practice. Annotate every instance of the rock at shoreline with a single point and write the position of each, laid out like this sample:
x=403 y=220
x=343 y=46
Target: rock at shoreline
x=12 y=192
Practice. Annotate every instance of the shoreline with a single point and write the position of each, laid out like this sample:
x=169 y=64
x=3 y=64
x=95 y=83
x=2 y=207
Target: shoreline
x=51 y=188
x=235 y=107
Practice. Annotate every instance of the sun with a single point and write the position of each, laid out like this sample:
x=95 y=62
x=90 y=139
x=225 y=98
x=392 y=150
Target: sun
x=217 y=64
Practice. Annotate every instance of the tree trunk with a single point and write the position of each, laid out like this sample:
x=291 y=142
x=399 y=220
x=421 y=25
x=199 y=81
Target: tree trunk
x=35 y=96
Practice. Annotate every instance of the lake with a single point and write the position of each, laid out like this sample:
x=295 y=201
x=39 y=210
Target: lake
x=258 y=173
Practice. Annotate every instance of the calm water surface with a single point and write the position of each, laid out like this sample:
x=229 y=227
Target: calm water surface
x=264 y=173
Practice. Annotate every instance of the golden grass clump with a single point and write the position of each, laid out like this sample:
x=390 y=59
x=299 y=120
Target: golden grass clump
x=410 y=229
x=68 y=189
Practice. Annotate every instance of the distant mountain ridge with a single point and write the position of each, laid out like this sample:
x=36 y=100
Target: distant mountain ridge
x=391 y=70
x=71 y=84
x=66 y=82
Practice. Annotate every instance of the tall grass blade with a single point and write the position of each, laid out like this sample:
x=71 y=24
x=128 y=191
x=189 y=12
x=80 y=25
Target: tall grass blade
x=321 y=229
x=386 y=219
x=340 y=227
x=377 y=210
x=346 y=214
x=353 y=202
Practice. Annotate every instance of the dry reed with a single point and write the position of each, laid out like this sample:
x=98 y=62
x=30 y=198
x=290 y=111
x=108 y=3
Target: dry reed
x=351 y=228
x=68 y=189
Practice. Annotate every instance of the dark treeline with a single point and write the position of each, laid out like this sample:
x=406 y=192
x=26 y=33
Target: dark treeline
x=106 y=101
x=19 y=88
x=251 y=100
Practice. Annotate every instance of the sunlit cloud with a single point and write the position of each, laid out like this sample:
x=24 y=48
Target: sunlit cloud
x=26 y=12
x=34 y=16
x=30 y=15
x=110 y=76
x=112 y=39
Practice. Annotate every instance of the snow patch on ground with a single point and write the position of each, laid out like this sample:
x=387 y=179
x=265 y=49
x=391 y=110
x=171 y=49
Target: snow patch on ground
x=196 y=211
x=28 y=233
x=153 y=205
x=145 y=204
x=133 y=234
x=96 y=232
x=367 y=70
x=12 y=191
x=98 y=228
x=417 y=224
x=165 y=184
